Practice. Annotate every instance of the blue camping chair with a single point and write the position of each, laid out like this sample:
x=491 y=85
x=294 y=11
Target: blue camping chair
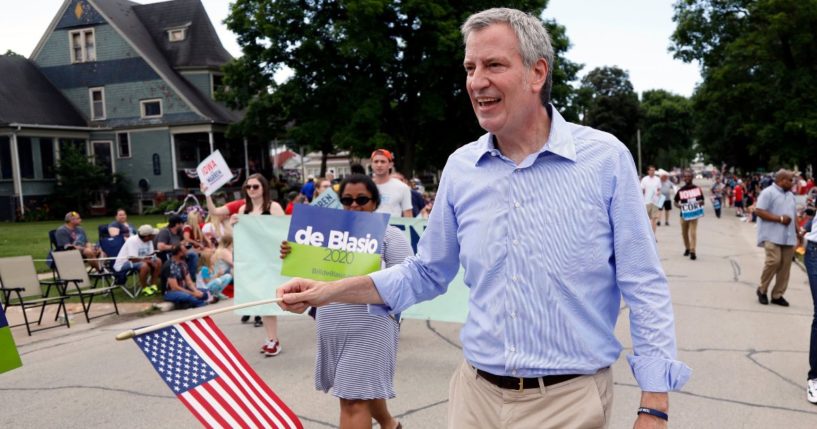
x=111 y=246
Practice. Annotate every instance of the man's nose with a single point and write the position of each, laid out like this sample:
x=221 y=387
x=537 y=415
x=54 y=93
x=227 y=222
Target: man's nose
x=478 y=79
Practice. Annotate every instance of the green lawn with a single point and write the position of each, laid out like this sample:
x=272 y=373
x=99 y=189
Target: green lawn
x=31 y=238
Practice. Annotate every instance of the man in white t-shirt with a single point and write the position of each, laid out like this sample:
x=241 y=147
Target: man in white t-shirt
x=137 y=254
x=650 y=185
x=395 y=196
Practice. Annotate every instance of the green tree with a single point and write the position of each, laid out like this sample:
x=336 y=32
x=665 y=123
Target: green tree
x=666 y=129
x=366 y=74
x=754 y=108
x=80 y=181
x=609 y=103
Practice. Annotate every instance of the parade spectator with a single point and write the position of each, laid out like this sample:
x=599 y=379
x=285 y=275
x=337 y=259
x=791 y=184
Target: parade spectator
x=651 y=185
x=717 y=197
x=71 y=236
x=540 y=311
x=138 y=255
x=417 y=200
x=395 y=196
x=120 y=225
x=810 y=233
x=689 y=199
x=357 y=351
x=322 y=184
x=738 y=192
x=172 y=235
x=257 y=202
x=777 y=209
x=215 y=227
x=308 y=189
x=294 y=198
x=667 y=189
x=192 y=235
x=180 y=288
x=211 y=279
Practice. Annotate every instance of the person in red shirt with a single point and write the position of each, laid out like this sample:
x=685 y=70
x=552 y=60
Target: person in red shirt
x=739 y=198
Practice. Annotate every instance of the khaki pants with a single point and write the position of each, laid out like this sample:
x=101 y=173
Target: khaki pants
x=778 y=265
x=689 y=230
x=581 y=403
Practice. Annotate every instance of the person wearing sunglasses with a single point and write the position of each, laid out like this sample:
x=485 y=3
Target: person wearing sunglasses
x=357 y=351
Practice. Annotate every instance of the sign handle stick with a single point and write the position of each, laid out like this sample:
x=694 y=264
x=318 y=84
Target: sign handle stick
x=136 y=332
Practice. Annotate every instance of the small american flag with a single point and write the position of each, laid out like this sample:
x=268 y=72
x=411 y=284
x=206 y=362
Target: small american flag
x=212 y=379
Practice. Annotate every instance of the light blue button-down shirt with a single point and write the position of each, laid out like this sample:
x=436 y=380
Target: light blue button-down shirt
x=778 y=202
x=549 y=246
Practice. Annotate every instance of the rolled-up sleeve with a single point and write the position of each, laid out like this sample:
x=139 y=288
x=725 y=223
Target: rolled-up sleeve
x=427 y=274
x=643 y=286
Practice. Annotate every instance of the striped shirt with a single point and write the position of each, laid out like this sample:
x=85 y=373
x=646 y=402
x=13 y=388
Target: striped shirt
x=549 y=247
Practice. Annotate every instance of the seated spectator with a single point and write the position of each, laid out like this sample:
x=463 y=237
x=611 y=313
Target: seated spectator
x=172 y=235
x=179 y=287
x=120 y=225
x=138 y=255
x=193 y=238
x=71 y=236
x=210 y=277
x=215 y=227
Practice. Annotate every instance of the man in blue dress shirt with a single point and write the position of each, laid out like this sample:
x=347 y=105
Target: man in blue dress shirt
x=547 y=219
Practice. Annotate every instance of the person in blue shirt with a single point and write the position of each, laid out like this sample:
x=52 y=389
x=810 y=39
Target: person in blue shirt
x=547 y=219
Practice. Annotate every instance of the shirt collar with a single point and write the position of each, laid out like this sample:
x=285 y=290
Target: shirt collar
x=560 y=141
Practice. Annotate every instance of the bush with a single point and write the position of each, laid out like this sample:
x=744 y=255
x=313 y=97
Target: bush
x=81 y=181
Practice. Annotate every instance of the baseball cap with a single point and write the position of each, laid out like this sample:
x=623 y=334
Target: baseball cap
x=146 y=230
x=71 y=215
x=383 y=152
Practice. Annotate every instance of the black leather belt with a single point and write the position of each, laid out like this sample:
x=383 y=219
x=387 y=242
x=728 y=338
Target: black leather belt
x=518 y=383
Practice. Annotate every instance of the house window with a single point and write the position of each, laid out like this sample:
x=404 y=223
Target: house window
x=97 y=96
x=177 y=34
x=123 y=145
x=47 y=157
x=26 y=157
x=5 y=158
x=83 y=45
x=151 y=108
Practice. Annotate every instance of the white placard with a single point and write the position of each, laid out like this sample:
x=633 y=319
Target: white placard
x=213 y=173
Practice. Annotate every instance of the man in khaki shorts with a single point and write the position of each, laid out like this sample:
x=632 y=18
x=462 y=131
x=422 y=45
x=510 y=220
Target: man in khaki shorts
x=545 y=285
x=650 y=186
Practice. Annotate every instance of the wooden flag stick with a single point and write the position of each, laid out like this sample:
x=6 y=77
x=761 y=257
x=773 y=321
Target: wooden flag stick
x=134 y=332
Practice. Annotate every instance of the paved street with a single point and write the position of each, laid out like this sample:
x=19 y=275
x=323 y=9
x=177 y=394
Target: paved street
x=749 y=361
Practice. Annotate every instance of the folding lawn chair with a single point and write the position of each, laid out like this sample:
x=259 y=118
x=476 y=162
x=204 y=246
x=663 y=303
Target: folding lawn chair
x=71 y=271
x=20 y=287
x=111 y=246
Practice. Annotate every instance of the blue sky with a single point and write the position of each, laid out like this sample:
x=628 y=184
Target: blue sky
x=631 y=34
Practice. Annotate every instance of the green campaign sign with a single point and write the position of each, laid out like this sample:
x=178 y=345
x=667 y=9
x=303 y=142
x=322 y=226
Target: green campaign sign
x=329 y=244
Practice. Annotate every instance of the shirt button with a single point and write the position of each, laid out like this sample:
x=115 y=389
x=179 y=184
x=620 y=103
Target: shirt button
x=516 y=204
x=514 y=373
x=514 y=278
x=513 y=315
x=515 y=242
x=513 y=349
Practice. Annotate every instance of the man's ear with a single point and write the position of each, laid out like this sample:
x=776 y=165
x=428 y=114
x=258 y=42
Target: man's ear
x=539 y=74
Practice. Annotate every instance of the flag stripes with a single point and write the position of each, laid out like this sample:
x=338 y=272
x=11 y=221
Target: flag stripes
x=244 y=384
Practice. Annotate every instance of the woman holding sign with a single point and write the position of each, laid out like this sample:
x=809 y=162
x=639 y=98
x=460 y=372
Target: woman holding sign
x=357 y=351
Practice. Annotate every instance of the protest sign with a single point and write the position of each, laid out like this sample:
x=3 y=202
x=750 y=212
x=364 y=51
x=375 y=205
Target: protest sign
x=691 y=203
x=213 y=173
x=330 y=244
x=328 y=199
x=658 y=199
x=258 y=269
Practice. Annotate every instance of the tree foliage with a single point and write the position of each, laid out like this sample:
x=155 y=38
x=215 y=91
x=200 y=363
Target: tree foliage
x=80 y=180
x=609 y=103
x=666 y=129
x=755 y=107
x=366 y=74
